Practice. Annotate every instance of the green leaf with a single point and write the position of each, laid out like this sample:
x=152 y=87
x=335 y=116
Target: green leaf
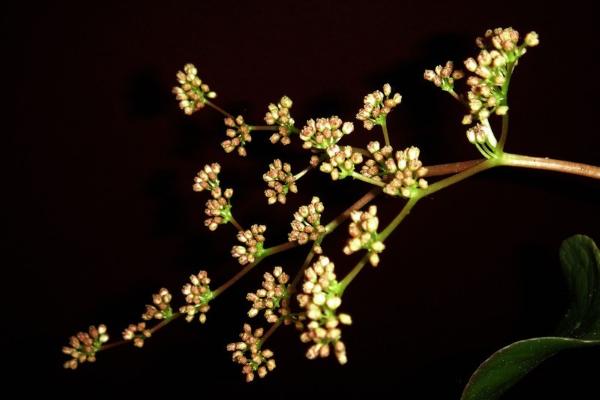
x=580 y=260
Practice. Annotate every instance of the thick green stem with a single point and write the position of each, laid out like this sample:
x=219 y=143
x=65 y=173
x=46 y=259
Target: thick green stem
x=353 y=273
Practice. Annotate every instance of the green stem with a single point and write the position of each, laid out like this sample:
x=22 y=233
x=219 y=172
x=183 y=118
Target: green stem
x=363 y=178
x=401 y=215
x=353 y=273
x=303 y=172
x=217 y=108
x=502 y=141
x=385 y=133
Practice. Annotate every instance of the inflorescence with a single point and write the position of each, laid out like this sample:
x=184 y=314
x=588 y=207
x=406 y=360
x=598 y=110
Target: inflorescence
x=397 y=173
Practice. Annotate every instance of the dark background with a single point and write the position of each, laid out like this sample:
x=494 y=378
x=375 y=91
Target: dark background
x=101 y=213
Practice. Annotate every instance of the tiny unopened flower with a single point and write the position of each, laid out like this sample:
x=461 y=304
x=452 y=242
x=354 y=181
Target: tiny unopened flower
x=532 y=39
x=138 y=333
x=218 y=209
x=191 y=93
x=363 y=234
x=408 y=173
x=382 y=160
x=376 y=107
x=197 y=296
x=341 y=162
x=320 y=300
x=444 y=76
x=307 y=222
x=279 y=114
x=250 y=355
x=252 y=244
x=324 y=132
x=272 y=297
x=161 y=307
x=280 y=181
x=238 y=133
x=84 y=345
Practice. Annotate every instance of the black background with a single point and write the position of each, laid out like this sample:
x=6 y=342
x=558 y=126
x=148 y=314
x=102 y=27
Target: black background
x=101 y=211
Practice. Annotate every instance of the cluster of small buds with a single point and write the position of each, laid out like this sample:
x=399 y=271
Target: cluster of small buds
x=320 y=300
x=376 y=107
x=363 y=234
x=444 y=77
x=341 y=162
x=218 y=210
x=382 y=160
x=499 y=51
x=197 y=296
x=250 y=356
x=280 y=181
x=324 y=132
x=238 y=133
x=161 y=307
x=138 y=333
x=307 y=223
x=272 y=297
x=408 y=173
x=252 y=240
x=191 y=92
x=481 y=133
x=84 y=345
x=208 y=179
x=280 y=115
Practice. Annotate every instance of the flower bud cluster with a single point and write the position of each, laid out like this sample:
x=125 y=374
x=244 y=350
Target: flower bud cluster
x=320 y=300
x=84 y=345
x=444 y=77
x=197 y=296
x=324 y=132
x=138 y=333
x=307 y=223
x=408 y=173
x=280 y=181
x=363 y=234
x=252 y=240
x=161 y=307
x=341 y=162
x=238 y=133
x=191 y=93
x=217 y=209
x=272 y=297
x=250 y=356
x=382 y=160
x=499 y=52
x=280 y=115
x=376 y=107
